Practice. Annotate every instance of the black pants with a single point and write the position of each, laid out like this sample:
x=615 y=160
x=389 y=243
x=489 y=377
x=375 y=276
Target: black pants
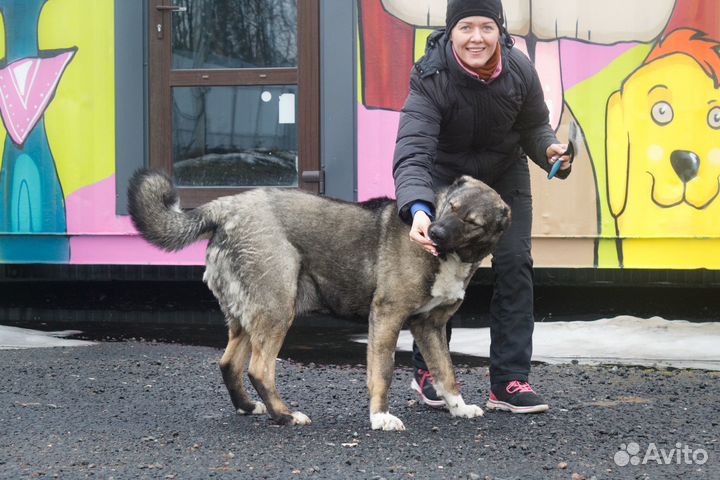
x=511 y=307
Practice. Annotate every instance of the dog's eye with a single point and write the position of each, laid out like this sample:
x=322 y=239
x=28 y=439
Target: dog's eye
x=454 y=205
x=475 y=221
x=662 y=113
x=714 y=118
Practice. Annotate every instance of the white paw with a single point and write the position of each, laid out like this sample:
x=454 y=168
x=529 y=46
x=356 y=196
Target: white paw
x=258 y=410
x=385 y=421
x=300 y=418
x=466 y=411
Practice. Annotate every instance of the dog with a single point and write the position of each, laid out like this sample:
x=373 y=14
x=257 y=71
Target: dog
x=276 y=253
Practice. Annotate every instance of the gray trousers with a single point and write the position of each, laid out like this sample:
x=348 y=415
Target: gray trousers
x=511 y=307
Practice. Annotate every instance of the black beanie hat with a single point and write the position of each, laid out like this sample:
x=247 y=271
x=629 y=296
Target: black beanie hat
x=459 y=9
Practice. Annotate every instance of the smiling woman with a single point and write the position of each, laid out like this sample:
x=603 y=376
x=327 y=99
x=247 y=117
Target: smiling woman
x=475 y=105
x=475 y=42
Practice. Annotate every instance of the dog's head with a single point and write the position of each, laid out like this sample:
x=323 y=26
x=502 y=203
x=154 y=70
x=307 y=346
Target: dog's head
x=470 y=219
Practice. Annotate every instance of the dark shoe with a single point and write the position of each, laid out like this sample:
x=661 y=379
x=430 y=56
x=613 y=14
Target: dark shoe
x=515 y=397
x=423 y=384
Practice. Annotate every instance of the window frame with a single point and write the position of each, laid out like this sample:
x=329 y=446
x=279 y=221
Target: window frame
x=162 y=79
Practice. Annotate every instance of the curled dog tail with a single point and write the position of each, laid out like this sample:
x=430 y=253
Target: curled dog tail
x=154 y=208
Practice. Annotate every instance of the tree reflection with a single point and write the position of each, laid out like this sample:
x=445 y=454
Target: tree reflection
x=235 y=34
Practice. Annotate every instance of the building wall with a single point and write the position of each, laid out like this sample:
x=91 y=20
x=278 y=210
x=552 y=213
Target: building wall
x=59 y=63
x=624 y=204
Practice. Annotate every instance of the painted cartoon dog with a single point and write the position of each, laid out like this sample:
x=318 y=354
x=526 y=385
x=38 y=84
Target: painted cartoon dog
x=663 y=156
x=276 y=253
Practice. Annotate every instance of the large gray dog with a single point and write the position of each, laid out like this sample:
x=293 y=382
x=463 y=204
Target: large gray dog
x=275 y=253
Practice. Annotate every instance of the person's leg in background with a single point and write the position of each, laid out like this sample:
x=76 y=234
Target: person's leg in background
x=422 y=381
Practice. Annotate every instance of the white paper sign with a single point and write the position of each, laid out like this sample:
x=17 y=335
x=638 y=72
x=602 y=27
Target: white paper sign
x=286 y=108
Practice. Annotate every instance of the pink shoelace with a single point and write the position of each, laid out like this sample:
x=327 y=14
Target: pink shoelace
x=425 y=376
x=517 y=386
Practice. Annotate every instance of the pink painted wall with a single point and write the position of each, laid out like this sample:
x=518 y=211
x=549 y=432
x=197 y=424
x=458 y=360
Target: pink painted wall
x=99 y=236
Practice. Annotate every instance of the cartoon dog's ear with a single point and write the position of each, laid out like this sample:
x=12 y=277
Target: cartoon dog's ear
x=617 y=155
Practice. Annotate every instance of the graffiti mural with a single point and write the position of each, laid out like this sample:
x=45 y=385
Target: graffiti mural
x=30 y=189
x=663 y=154
x=57 y=102
x=588 y=54
x=640 y=79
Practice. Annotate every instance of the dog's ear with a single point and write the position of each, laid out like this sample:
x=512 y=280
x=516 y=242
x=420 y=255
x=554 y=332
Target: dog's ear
x=463 y=180
x=617 y=155
x=466 y=179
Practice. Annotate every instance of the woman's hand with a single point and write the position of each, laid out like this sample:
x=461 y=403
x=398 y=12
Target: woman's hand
x=419 y=232
x=555 y=153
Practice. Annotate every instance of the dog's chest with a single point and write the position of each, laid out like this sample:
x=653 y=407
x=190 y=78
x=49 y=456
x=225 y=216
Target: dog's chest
x=449 y=284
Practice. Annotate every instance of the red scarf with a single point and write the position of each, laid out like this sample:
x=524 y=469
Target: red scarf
x=486 y=71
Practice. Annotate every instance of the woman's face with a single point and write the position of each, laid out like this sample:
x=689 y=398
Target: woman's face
x=475 y=40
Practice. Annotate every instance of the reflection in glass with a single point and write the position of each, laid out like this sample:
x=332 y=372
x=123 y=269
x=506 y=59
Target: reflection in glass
x=234 y=34
x=235 y=136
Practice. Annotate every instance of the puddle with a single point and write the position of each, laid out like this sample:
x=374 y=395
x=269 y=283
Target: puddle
x=305 y=343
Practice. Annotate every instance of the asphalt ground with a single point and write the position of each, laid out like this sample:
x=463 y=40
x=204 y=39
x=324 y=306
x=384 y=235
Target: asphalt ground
x=142 y=409
x=148 y=400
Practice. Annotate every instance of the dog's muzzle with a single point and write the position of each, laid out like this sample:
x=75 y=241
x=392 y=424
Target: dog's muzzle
x=437 y=234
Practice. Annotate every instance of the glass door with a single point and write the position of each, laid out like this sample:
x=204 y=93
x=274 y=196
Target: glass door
x=234 y=96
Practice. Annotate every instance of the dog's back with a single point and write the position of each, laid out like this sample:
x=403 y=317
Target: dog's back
x=322 y=251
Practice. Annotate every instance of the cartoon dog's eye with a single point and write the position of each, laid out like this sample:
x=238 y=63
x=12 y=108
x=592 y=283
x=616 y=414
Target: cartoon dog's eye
x=662 y=113
x=714 y=118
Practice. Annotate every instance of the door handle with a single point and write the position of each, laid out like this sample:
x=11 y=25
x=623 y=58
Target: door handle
x=171 y=8
x=314 y=176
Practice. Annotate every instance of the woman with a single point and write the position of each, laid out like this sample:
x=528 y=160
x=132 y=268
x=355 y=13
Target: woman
x=476 y=107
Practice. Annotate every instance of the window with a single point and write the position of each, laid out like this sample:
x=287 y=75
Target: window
x=234 y=95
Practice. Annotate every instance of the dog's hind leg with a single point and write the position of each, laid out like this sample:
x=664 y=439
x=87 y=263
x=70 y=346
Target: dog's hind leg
x=232 y=366
x=382 y=339
x=429 y=334
x=265 y=348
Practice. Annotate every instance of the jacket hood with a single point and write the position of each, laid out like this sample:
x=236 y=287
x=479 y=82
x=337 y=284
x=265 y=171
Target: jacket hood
x=435 y=59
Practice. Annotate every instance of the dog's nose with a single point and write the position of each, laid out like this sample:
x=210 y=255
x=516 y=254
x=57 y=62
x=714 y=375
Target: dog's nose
x=437 y=234
x=686 y=164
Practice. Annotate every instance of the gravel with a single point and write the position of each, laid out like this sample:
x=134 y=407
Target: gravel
x=154 y=410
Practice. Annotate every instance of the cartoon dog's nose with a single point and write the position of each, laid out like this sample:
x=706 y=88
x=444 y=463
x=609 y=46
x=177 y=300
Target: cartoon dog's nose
x=686 y=164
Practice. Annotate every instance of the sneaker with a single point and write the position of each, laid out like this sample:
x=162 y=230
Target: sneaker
x=515 y=397
x=423 y=384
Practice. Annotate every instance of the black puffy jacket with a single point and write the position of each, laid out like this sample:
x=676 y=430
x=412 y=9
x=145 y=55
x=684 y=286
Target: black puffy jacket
x=453 y=124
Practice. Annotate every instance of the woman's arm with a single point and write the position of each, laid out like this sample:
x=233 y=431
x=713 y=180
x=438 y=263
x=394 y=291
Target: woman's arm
x=532 y=123
x=416 y=147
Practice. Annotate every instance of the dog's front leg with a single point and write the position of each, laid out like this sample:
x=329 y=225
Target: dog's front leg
x=382 y=339
x=430 y=336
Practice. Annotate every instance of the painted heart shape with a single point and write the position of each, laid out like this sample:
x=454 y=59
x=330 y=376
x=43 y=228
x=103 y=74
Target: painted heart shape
x=26 y=88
